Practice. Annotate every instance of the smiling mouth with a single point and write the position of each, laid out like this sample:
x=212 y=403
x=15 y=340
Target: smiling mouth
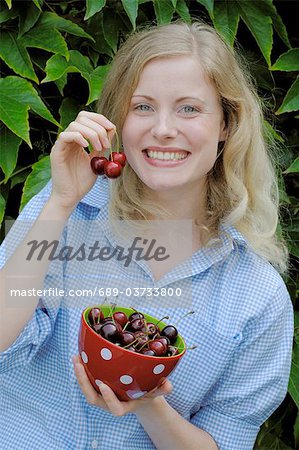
x=166 y=156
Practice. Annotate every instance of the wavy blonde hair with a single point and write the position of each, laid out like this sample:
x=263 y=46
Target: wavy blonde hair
x=242 y=187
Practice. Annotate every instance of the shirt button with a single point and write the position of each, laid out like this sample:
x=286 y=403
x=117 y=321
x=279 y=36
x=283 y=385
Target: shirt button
x=94 y=444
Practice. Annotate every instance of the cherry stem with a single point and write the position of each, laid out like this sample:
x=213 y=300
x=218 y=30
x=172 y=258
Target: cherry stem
x=125 y=326
x=188 y=314
x=132 y=343
x=166 y=317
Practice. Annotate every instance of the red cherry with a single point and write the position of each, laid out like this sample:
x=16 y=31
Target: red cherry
x=158 y=347
x=120 y=317
x=95 y=316
x=97 y=164
x=112 y=169
x=119 y=157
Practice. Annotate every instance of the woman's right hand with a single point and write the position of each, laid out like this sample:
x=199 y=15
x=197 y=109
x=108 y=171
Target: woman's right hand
x=72 y=176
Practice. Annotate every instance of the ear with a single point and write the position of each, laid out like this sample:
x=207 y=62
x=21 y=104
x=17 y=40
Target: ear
x=223 y=133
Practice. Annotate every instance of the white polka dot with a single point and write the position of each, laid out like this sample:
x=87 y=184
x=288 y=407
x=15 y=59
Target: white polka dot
x=126 y=379
x=84 y=357
x=135 y=394
x=158 y=369
x=106 y=354
x=98 y=382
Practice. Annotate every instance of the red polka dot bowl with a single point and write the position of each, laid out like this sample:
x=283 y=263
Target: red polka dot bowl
x=130 y=374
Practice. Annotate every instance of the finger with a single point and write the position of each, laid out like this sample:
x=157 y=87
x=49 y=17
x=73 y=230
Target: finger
x=99 y=118
x=87 y=133
x=70 y=137
x=102 y=133
x=164 y=388
x=115 y=406
x=86 y=387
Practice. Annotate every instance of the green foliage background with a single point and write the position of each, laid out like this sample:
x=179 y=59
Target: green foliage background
x=54 y=57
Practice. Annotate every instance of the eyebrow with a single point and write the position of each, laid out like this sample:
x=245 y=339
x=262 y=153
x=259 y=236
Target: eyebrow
x=178 y=100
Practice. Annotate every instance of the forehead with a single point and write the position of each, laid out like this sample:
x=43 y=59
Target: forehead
x=175 y=73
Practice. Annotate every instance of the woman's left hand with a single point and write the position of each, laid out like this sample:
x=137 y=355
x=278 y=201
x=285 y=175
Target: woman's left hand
x=108 y=400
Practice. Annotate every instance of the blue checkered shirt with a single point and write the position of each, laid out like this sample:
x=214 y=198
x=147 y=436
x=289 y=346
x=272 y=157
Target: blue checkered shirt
x=228 y=386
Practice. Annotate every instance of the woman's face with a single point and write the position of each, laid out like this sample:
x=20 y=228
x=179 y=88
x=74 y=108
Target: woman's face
x=174 y=124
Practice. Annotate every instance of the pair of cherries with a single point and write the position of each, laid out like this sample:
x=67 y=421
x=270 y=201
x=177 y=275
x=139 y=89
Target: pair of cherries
x=111 y=167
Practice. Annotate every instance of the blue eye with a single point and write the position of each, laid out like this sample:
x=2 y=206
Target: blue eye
x=189 y=109
x=143 y=107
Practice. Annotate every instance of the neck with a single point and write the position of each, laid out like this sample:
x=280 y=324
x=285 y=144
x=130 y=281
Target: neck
x=183 y=206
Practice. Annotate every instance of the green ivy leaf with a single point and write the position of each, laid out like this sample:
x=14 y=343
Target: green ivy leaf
x=9 y=144
x=8 y=2
x=57 y=67
x=226 y=19
x=8 y=14
x=96 y=81
x=111 y=27
x=93 y=7
x=259 y=24
x=15 y=55
x=271 y=132
x=294 y=167
x=269 y=9
x=28 y=16
x=209 y=5
x=291 y=100
x=38 y=4
x=36 y=180
x=68 y=111
x=17 y=97
x=288 y=61
x=54 y=43
x=293 y=387
x=2 y=207
x=163 y=10
x=96 y=28
x=131 y=8
x=60 y=23
x=183 y=11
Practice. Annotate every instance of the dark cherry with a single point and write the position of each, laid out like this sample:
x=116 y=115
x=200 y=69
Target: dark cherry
x=131 y=349
x=112 y=169
x=158 y=347
x=172 y=351
x=152 y=330
x=165 y=340
x=126 y=338
x=96 y=327
x=170 y=332
x=141 y=338
x=147 y=351
x=137 y=325
x=136 y=315
x=119 y=157
x=95 y=316
x=110 y=331
x=97 y=164
x=120 y=317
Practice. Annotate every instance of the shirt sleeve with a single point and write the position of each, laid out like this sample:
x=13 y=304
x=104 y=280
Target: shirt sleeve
x=255 y=382
x=40 y=326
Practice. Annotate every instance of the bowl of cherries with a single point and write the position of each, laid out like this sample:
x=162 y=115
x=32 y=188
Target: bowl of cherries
x=130 y=351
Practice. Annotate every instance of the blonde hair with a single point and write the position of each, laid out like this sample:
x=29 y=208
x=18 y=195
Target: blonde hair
x=241 y=188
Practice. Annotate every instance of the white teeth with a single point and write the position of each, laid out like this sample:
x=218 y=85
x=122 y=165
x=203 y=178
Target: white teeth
x=166 y=156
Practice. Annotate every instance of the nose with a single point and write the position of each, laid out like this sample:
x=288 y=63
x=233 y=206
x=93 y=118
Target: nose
x=164 y=126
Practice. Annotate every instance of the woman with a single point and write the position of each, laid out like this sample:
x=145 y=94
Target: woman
x=198 y=171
